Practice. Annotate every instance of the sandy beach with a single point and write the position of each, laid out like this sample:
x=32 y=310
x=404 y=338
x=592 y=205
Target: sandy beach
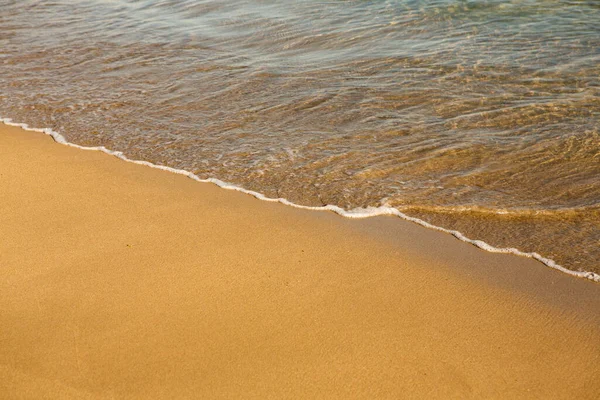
x=126 y=282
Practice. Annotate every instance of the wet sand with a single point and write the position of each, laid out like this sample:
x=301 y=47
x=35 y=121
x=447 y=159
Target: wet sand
x=122 y=281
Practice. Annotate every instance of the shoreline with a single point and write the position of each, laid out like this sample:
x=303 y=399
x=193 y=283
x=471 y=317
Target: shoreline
x=356 y=213
x=129 y=282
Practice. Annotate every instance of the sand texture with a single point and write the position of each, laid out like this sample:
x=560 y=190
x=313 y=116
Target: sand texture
x=124 y=282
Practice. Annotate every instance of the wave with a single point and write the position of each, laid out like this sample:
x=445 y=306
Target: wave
x=506 y=212
x=353 y=213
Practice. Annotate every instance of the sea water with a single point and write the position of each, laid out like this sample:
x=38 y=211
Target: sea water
x=481 y=117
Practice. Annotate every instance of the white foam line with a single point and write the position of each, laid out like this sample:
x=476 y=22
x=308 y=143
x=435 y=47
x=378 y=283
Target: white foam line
x=355 y=213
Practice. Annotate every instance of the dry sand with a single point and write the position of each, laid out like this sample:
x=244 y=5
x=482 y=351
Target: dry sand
x=122 y=281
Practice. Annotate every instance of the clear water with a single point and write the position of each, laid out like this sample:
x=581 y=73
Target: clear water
x=479 y=116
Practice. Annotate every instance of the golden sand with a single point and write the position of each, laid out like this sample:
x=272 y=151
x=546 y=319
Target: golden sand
x=125 y=282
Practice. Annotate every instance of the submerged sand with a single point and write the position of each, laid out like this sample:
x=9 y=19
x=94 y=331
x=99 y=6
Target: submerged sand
x=122 y=281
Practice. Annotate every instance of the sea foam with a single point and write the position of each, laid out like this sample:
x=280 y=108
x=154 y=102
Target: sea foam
x=354 y=213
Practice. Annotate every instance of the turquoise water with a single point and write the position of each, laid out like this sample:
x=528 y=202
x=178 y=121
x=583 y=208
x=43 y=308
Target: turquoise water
x=480 y=116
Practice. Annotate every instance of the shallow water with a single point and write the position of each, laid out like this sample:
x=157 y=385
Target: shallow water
x=479 y=116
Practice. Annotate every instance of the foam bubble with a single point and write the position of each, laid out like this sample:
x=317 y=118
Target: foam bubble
x=354 y=213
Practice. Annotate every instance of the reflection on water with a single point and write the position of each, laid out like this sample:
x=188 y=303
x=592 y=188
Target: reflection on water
x=481 y=116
